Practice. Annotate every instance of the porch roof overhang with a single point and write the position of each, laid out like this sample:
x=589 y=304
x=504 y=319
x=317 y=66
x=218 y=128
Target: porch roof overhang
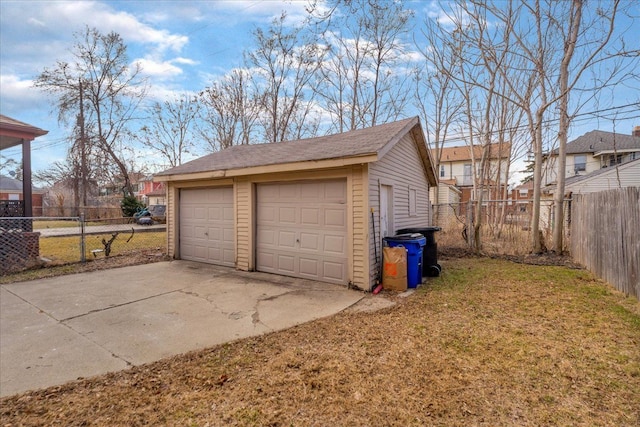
x=14 y=132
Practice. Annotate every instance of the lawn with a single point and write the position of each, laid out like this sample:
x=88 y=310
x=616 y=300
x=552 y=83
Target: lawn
x=67 y=249
x=490 y=342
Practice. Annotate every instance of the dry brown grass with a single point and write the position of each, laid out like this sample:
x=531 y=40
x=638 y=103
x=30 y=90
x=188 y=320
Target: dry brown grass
x=489 y=343
x=67 y=249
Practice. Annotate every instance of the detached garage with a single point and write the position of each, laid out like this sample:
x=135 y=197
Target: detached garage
x=305 y=208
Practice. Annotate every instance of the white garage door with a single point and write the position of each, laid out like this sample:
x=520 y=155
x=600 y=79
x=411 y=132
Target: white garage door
x=302 y=230
x=206 y=225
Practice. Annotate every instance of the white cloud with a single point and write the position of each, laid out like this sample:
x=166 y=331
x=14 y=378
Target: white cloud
x=19 y=95
x=160 y=69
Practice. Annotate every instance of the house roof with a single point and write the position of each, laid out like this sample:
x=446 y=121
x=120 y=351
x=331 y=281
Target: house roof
x=13 y=131
x=356 y=146
x=157 y=192
x=463 y=152
x=526 y=186
x=597 y=140
x=12 y=185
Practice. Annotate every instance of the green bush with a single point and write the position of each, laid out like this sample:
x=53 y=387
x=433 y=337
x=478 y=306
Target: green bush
x=130 y=205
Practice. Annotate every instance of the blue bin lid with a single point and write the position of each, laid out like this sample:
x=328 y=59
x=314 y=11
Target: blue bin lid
x=415 y=238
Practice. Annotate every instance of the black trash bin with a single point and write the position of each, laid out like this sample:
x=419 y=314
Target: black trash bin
x=430 y=266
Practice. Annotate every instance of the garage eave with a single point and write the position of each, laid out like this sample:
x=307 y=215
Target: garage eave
x=266 y=169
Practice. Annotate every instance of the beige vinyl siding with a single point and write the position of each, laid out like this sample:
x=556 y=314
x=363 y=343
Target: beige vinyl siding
x=172 y=215
x=627 y=175
x=360 y=237
x=244 y=223
x=401 y=168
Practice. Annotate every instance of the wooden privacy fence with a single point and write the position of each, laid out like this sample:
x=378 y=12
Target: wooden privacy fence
x=605 y=236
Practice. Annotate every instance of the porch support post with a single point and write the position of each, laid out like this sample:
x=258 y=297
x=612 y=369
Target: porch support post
x=27 y=192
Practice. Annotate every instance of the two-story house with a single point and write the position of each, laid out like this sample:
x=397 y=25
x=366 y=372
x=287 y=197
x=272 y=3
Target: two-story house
x=456 y=168
x=591 y=152
x=150 y=192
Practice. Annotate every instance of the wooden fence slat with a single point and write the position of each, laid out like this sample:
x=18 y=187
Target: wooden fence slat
x=605 y=236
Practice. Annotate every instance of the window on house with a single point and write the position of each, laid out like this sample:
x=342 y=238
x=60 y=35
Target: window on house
x=441 y=171
x=615 y=160
x=634 y=155
x=523 y=192
x=580 y=163
x=413 y=202
x=466 y=179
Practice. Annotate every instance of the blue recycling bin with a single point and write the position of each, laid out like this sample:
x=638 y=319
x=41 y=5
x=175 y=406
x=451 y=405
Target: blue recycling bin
x=413 y=243
x=430 y=266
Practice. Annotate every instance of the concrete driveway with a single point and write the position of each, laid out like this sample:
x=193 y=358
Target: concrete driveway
x=60 y=329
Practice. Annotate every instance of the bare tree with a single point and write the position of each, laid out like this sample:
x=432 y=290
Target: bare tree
x=170 y=129
x=529 y=55
x=283 y=64
x=364 y=80
x=436 y=96
x=588 y=42
x=229 y=111
x=110 y=88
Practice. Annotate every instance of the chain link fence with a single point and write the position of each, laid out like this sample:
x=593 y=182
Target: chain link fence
x=505 y=226
x=49 y=241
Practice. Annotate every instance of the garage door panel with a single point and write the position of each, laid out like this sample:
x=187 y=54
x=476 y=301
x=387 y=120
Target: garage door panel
x=335 y=218
x=304 y=226
x=309 y=216
x=228 y=235
x=309 y=241
x=309 y=267
x=267 y=214
x=227 y=214
x=286 y=239
x=207 y=225
x=334 y=244
x=286 y=263
x=334 y=270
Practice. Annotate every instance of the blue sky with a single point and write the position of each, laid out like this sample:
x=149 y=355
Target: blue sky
x=182 y=46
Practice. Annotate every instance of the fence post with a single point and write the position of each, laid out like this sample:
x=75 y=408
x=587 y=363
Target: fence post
x=470 y=224
x=82 y=241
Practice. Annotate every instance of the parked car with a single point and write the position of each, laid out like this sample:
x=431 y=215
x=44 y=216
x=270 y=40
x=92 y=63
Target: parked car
x=158 y=212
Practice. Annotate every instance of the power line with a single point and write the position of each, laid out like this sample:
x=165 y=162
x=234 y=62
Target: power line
x=583 y=117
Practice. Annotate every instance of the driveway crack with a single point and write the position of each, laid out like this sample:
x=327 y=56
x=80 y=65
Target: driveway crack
x=98 y=310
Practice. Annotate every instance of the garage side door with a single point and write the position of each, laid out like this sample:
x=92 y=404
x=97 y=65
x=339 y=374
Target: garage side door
x=206 y=225
x=302 y=230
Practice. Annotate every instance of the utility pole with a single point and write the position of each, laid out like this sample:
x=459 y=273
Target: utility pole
x=83 y=151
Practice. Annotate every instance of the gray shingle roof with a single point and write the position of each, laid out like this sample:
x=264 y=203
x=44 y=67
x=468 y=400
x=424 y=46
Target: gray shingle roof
x=11 y=184
x=354 y=143
x=597 y=140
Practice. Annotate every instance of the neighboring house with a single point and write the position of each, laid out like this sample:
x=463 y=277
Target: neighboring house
x=308 y=208
x=149 y=191
x=521 y=200
x=593 y=151
x=157 y=196
x=610 y=178
x=11 y=189
x=116 y=190
x=20 y=246
x=456 y=165
x=13 y=133
x=446 y=205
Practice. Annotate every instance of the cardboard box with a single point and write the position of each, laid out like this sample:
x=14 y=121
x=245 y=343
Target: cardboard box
x=394 y=271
